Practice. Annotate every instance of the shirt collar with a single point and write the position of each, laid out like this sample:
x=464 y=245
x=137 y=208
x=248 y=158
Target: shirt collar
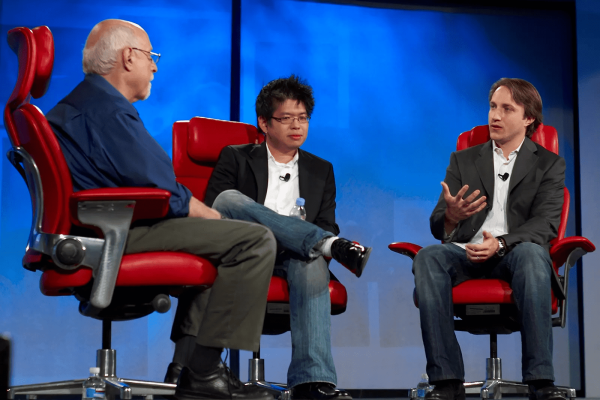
x=292 y=162
x=101 y=83
x=498 y=150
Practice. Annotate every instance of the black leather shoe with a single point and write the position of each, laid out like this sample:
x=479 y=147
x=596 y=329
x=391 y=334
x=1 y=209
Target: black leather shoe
x=452 y=390
x=218 y=384
x=547 y=393
x=351 y=255
x=318 y=390
x=173 y=371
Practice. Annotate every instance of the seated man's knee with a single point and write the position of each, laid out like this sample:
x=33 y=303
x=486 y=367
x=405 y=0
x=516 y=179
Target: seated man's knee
x=228 y=199
x=265 y=237
x=427 y=256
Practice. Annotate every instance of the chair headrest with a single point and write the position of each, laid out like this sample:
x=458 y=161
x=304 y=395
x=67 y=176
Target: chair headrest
x=207 y=137
x=544 y=135
x=35 y=52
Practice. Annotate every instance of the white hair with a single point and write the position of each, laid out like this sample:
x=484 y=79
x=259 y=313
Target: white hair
x=102 y=57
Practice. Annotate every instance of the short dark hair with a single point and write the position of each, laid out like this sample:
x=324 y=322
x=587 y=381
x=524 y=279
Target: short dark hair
x=279 y=90
x=526 y=95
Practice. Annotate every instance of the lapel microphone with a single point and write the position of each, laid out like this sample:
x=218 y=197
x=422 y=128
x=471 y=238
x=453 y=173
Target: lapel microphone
x=503 y=177
x=287 y=177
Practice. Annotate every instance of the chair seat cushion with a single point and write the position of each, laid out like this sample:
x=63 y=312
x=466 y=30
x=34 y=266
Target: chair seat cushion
x=482 y=291
x=279 y=292
x=143 y=269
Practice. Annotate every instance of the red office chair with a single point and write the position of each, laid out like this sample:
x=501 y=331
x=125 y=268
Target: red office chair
x=485 y=306
x=197 y=145
x=77 y=239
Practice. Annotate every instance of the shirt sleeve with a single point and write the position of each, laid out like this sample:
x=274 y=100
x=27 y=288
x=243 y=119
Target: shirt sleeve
x=129 y=155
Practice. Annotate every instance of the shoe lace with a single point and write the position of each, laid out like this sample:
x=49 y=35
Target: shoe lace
x=232 y=380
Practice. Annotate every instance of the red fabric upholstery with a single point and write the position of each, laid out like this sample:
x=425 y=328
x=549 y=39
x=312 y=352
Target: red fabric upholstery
x=543 y=135
x=482 y=291
x=149 y=203
x=35 y=52
x=36 y=136
x=29 y=129
x=279 y=292
x=145 y=269
x=196 y=148
x=197 y=144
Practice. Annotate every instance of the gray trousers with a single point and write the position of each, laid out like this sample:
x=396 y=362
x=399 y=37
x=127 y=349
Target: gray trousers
x=244 y=253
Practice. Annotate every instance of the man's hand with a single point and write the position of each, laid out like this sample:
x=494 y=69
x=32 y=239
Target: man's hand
x=458 y=209
x=482 y=252
x=200 y=210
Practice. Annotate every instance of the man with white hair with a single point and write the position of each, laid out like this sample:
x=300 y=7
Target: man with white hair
x=106 y=144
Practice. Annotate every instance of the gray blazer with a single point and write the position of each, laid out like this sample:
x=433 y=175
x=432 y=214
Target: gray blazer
x=535 y=195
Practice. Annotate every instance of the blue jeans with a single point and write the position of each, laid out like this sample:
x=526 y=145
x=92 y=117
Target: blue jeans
x=308 y=278
x=527 y=268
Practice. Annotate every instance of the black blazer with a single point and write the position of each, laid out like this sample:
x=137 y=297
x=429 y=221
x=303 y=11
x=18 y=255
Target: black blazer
x=535 y=196
x=245 y=168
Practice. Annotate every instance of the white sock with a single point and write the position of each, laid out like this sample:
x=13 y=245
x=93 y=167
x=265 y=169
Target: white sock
x=324 y=246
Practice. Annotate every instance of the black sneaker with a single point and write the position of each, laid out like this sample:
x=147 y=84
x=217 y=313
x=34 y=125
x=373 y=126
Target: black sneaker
x=319 y=390
x=219 y=384
x=351 y=255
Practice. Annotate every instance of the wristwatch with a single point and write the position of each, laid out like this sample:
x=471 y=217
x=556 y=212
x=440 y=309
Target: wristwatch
x=501 y=249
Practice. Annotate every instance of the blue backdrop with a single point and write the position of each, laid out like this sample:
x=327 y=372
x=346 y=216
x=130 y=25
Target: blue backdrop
x=393 y=90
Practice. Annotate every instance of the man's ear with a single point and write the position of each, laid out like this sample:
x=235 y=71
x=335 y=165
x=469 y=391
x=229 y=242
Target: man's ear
x=529 y=121
x=262 y=122
x=127 y=58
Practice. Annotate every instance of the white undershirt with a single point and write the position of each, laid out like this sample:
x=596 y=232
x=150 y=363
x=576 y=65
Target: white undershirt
x=282 y=195
x=496 y=222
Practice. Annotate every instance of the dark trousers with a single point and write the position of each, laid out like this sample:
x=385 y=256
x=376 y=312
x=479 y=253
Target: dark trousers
x=244 y=254
x=527 y=268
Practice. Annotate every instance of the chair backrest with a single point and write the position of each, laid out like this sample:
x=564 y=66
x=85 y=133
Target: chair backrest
x=197 y=144
x=544 y=135
x=36 y=152
x=35 y=52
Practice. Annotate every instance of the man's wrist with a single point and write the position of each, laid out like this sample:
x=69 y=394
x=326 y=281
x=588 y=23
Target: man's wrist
x=501 y=250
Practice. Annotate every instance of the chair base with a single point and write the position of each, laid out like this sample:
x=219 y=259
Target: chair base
x=115 y=387
x=494 y=386
x=256 y=377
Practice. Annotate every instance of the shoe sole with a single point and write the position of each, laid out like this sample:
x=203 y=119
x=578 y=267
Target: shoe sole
x=189 y=396
x=362 y=265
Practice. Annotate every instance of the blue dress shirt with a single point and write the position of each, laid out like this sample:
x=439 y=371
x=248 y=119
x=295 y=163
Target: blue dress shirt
x=106 y=144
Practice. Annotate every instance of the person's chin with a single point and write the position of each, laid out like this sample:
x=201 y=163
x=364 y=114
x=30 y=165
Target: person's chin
x=148 y=93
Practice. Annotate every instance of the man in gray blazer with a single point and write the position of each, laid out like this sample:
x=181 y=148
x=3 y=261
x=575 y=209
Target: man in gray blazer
x=500 y=206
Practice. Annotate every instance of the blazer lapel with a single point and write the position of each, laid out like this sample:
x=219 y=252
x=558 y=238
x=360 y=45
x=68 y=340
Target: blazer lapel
x=526 y=159
x=485 y=168
x=259 y=164
x=303 y=176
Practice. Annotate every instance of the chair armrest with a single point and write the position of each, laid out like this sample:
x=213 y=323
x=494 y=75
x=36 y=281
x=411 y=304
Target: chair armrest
x=112 y=210
x=405 y=248
x=150 y=203
x=561 y=249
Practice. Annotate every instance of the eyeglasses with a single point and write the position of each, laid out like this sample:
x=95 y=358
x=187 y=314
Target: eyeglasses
x=154 y=56
x=303 y=119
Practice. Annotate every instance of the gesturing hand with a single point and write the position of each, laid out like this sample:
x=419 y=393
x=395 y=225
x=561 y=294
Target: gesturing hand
x=481 y=252
x=458 y=208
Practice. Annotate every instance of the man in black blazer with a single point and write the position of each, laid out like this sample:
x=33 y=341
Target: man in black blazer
x=274 y=174
x=499 y=208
